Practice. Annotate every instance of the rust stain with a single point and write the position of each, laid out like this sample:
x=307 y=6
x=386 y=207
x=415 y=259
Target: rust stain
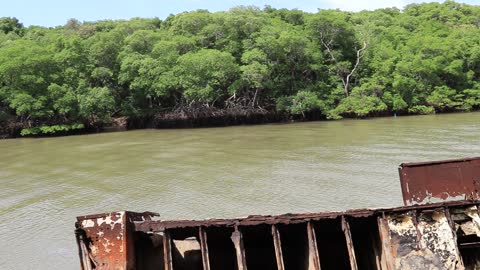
x=160 y=225
x=313 y=256
x=167 y=251
x=237 y=239
x=278 y=248
x=108 y=239
x=204 y=248
x=427 y=182
x=105 y=236
x=350 y=248
x=386 y=257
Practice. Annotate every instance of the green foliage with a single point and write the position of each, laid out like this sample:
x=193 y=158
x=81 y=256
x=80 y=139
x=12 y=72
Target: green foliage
x=11 y=24
x=395 y=102
x=255 y=74
x=421 y=60
x=47 y=130
x=27 y=106
x=97 y=104
x=398 y=103
x=301 y=103
x=64 y=100
x=421 y=109
x=206 y=75
x=360 y=105
x=102 y=76
x=472 y=98
x=444 y=98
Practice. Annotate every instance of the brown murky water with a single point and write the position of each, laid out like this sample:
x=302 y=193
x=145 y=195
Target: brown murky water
x=214 y=172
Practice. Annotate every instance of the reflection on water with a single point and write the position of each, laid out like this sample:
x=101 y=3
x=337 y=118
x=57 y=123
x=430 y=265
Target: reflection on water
x=214 y=172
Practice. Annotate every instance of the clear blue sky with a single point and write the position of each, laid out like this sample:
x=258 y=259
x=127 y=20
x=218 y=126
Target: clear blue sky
x=57 y=12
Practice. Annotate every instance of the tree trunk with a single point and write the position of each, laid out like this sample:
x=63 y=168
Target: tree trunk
x=360 y=54
x=255 y=98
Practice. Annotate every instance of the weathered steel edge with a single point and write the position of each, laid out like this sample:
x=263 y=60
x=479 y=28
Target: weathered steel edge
x=129 y=213
x=427 y=163
x=147 y=225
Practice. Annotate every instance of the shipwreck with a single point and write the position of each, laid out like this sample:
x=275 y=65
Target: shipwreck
x=437 y=228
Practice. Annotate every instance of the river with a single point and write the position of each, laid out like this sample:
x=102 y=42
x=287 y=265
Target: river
x=211 y=172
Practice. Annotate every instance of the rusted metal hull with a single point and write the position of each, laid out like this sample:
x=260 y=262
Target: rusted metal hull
x=434 y=236
x=442 y=235
x=427 y=182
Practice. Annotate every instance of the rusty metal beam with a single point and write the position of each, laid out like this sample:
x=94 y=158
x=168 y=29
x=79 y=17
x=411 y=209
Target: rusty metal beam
x=278 y=247
x=161 y=225
x=415 y=223
x=204 y=248
x=313 y=256
x=85 y=262
x=386 y=260
x=377 y=247
x=451 y=223
x=107 y=240
x=348 y=238
x=167 y=251
x=449 y=219
x=237 y=239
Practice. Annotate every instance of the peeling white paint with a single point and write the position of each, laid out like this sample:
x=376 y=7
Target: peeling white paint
x=112 y=220
x=94 y=250
x=429 y=198
x=401 y=224
x=430 y=244
x=437 y=237
x=88 y=223
x=107 y=244
x=473 y=214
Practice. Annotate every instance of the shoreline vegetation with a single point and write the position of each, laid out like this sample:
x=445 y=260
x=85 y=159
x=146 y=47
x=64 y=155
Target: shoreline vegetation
x=247 y=65
x=175 y=120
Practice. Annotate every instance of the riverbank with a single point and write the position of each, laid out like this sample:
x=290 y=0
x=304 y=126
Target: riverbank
x=184 y=118
x=207 y=117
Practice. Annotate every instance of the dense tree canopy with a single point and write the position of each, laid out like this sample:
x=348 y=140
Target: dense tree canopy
x=422 y=59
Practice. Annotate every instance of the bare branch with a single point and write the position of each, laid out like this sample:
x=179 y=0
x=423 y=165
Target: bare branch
x=327 y=46
x=360 y=54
